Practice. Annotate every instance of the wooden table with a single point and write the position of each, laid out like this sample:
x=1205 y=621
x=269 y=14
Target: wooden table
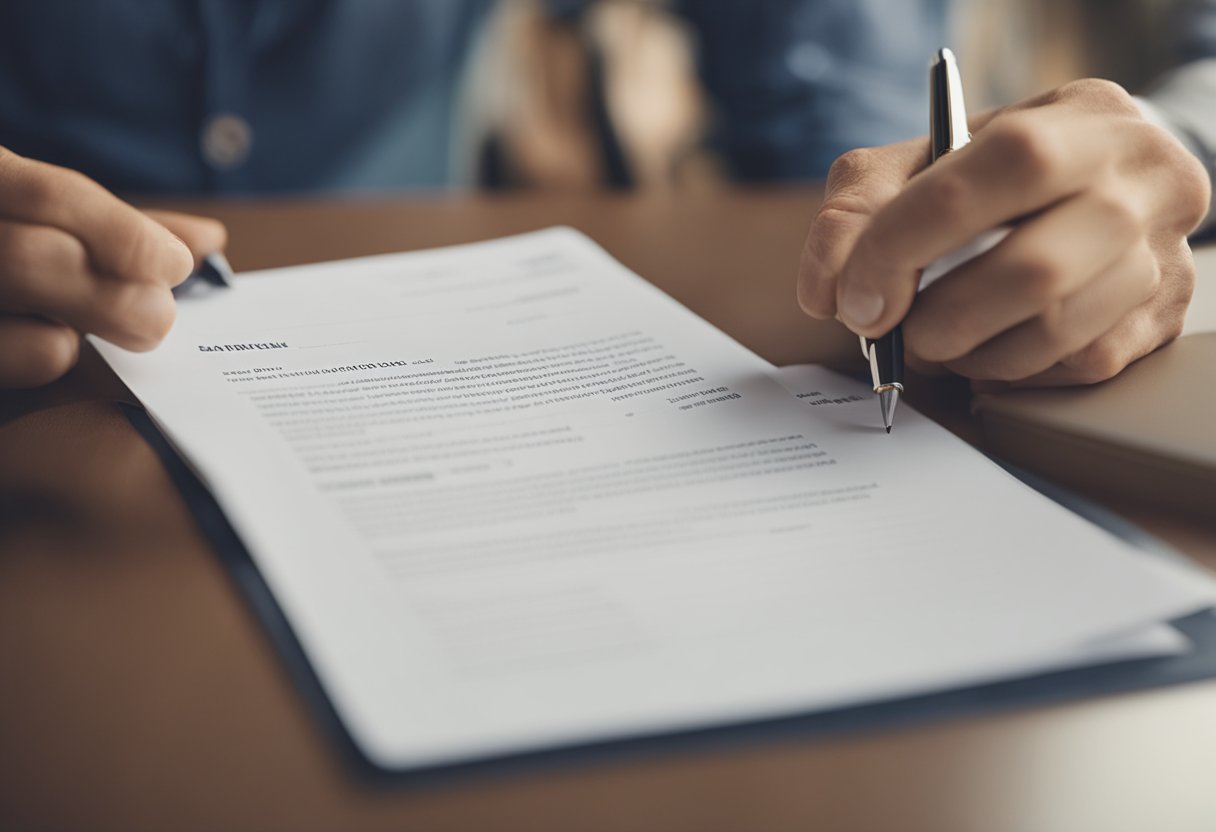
x=138 y=692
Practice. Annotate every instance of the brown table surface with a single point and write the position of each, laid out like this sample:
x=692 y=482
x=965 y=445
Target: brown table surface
x=137 y=691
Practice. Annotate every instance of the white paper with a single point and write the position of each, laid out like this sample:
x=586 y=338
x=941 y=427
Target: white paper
x=808 y=383
x=510 y=496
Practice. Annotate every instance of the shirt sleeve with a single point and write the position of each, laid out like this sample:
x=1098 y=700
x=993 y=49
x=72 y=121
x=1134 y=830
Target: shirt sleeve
x=1184 y=99
x=795 y=83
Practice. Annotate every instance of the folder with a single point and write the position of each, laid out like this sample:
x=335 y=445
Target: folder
x=1042 y=689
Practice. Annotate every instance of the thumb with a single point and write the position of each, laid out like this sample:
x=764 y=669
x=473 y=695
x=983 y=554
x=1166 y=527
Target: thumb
x=859 y=183
x=202 y=235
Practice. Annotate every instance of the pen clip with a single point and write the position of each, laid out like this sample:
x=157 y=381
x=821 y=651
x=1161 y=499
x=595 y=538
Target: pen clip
x=948 y=128
x=870 y=351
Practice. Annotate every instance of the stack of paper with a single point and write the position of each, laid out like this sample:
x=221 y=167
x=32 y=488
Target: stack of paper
x=512 y=497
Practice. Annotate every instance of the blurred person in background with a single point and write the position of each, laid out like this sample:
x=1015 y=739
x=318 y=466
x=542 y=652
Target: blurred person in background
x=219 y=97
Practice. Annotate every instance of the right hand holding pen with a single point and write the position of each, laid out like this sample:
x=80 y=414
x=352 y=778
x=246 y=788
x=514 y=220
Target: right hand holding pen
x=76 y=259
x=1095 y=274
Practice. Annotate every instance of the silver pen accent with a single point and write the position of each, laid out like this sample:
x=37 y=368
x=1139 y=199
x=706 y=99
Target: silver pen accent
x=948 y=132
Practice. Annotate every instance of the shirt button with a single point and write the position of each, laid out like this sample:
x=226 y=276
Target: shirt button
x=226 y=141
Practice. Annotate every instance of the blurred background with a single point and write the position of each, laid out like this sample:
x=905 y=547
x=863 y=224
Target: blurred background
x=216 y=97
x=612 y=96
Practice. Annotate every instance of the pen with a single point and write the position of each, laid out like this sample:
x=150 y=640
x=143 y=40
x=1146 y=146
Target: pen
x=947 y=132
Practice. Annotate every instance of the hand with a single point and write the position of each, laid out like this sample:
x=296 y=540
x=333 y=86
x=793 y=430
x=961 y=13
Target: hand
x=1096 y=273
x=76 y=259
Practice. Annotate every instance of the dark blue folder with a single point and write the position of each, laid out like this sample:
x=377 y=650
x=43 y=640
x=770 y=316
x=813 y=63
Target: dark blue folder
x=1040 y=689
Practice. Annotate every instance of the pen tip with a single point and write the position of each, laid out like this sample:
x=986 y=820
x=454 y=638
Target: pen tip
x=888 y=398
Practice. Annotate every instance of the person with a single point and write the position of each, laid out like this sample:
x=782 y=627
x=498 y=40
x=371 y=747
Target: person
x=220 y=96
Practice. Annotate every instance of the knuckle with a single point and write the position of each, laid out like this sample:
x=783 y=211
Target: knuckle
x=1102 y=93
x=1101 y=360
x=950 y=195
x=840 y=209
x=1043 y=280
x=835 y=219
x=1029 y=153
x=1177 y=278
x=851 y=166
x=835 y=224
x=1192 y=191
x=1119 y=214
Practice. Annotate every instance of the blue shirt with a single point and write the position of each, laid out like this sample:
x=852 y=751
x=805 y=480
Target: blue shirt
x=245 y=96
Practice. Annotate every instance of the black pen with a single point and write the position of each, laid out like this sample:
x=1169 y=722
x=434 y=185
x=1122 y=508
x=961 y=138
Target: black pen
x=947 y=132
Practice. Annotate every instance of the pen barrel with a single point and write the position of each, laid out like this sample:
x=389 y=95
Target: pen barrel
x=948 y=128
x=940 y=135
x=886 y=356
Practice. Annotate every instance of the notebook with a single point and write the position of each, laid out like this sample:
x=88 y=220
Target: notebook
x=1148 y=434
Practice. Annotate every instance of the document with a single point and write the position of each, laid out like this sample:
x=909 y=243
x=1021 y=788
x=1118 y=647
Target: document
x=817 y=386
x=512 y=497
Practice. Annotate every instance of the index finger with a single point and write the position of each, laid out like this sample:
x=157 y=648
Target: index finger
x=859 y=184
x=120 y=241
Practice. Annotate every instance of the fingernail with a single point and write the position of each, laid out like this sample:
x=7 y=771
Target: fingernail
x=860 y=305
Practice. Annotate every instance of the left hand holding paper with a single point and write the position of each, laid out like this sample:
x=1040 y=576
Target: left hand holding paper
x=75 y=259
